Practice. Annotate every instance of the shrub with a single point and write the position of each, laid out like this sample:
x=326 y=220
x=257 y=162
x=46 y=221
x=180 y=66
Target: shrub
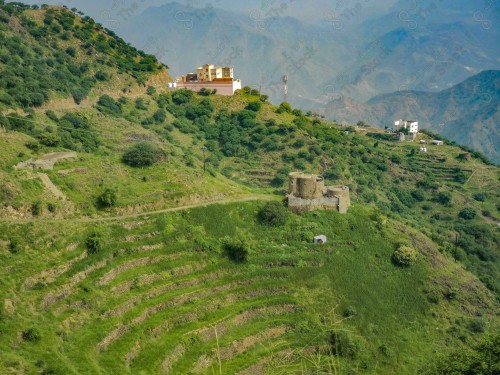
x=349 y=312
x=14 y=245
x=284 y=107
x=51 y=114
x=107 y=198
x=95 y=241
x=342 y=343
x=36 y=208
x=404 y=256
x=467 y=213
x=480 y=197
x=273 y=214
x=141 y=104
x=182 y=96
x=31 y=334
x=418 y=195
x=107 y=104
x=236 y=249
x=254 y=106
x=160 y=116
x=477 y=325
x=49 y=139
x=444 y=198
x=33 y=146
x=142 y=155
x=52 y=207
x=71 y=51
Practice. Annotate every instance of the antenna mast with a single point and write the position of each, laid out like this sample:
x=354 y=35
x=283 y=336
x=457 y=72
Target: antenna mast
x=285 y=83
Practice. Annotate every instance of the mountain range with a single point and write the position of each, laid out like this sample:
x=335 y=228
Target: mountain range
x=341 y=64
x=467 y=113
x=427 y=46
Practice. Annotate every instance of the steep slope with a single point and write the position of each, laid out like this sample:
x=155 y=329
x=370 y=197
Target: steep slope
x=125 y=271
x=52 y=53
x=467 y=113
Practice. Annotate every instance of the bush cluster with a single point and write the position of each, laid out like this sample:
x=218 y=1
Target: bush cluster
x=274 y=214
x=142 y=154
x=404 y=256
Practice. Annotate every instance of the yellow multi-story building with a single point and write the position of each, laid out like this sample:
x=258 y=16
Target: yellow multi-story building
x=209 y=73
x=217 y=78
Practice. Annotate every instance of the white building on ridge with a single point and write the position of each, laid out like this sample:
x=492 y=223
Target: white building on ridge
x=210 y=77
x=411 y=125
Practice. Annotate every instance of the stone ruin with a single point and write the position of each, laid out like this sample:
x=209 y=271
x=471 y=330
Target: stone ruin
x=307 y=192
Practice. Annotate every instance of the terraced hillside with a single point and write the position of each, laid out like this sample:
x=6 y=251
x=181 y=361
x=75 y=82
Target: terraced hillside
x=117 y=257
x=161 y=296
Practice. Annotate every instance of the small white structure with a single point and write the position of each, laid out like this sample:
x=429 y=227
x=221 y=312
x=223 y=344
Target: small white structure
x=411 y=125
x=423 y=141
x=321 y=239
x=437 y=142
x=423 y=149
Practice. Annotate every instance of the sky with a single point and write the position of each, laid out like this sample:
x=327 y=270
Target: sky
x=312 y=11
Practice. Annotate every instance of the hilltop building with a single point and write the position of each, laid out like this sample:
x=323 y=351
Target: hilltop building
x=208 y=76
x=307 y=192
x=410 y=125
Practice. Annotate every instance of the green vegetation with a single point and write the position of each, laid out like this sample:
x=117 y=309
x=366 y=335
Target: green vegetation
x=404 y=256
x=97 y=276
x=94 y=241
x=142 y=155
x=274 y=214
x=277 y=293
x=54 y=55
x=107 y=198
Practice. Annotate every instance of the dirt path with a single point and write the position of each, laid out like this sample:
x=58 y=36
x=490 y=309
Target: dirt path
x=46 y=161
x=49 y=185
x=247 y=198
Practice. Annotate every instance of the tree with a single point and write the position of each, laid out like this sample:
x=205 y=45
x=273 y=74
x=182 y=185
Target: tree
x=142 y=155
x=467 y=213
x=274 y=214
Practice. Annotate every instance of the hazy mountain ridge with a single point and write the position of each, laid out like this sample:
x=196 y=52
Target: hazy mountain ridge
x=467 y=113
x=118 y=260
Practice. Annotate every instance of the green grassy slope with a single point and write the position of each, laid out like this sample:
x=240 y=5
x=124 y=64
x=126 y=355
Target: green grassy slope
x=161 y=296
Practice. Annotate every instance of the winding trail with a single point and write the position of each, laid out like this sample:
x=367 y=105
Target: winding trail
x=247 y=198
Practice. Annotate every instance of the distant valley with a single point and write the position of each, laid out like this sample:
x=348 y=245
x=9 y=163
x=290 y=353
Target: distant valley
x=468 y=113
